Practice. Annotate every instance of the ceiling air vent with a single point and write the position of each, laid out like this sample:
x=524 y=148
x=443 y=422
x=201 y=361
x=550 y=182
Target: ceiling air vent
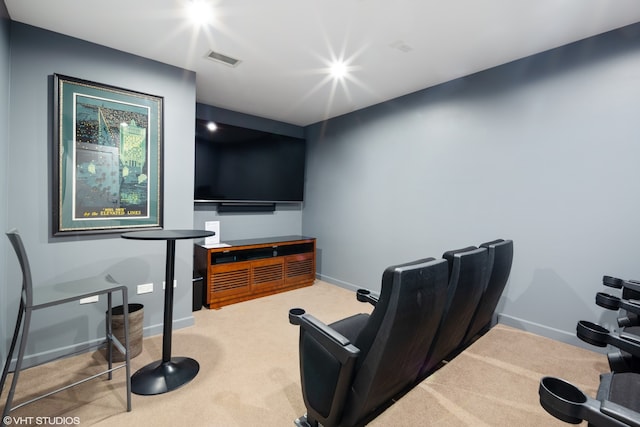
x=224 y=59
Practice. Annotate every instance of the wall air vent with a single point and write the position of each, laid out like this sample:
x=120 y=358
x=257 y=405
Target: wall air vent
x=223 y=59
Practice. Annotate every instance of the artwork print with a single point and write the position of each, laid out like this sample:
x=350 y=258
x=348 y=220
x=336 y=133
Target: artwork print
x=108 y=162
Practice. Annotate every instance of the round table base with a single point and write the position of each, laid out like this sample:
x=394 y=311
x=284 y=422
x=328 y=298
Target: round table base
x=161 y=377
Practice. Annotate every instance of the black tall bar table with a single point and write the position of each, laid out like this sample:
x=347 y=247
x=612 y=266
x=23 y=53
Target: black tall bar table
x=171 y=372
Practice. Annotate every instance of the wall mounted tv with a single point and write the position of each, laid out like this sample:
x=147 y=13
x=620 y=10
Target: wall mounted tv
x=239 y=165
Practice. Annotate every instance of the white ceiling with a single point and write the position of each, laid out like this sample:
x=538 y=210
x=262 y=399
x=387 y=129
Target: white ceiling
x=392 y=47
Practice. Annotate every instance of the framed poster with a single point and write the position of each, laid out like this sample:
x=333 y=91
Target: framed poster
x=108 y=148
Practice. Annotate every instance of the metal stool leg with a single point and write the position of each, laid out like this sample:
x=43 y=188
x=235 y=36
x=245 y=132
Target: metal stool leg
x=109 y=333
x=16 y=373
x=127 y=353
x=12 y=347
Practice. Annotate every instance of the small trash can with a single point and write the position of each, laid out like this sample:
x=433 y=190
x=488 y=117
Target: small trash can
x=136 y=320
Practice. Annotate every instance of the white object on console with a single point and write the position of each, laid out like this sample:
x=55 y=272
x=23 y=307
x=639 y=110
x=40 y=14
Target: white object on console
x=215 y=227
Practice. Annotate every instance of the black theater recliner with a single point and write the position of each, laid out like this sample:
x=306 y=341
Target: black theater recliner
x=628 y=305
x=617 y=403
x=618 y=399
x=468 y=275
x=352 y=369
x=630 y=291
x=500 y=261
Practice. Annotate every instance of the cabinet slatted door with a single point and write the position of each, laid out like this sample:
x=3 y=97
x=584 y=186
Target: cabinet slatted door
x=229 y=280
x=300 y=268
x=267 y=274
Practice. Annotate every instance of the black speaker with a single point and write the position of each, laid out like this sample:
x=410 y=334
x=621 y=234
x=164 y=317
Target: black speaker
x=246 y=207
x=198 y=293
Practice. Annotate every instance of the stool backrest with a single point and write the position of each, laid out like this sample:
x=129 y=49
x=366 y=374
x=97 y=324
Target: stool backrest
x=21 y=253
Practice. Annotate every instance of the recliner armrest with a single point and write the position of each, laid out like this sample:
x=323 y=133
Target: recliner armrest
x=612 y=302
x=568 y=403
x=632 y=338
x=634 y=285
x=615 y=282
x=327 y=363
x=334 y=342
x=597 y=335
x=620 y=413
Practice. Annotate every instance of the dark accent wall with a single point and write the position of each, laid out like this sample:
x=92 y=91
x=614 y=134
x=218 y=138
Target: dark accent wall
x=543 y=151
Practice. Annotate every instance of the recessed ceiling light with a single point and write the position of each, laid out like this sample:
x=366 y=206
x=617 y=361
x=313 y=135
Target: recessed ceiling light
x=199 y=11
x=211 y=126
x=338 y=69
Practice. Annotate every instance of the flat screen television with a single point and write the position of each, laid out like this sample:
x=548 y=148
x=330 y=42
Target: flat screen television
x=235 y=164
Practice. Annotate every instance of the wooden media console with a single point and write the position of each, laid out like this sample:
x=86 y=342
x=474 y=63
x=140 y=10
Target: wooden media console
x=254 y=268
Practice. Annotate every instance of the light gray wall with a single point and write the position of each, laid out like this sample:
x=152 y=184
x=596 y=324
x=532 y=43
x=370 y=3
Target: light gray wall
x=543 y=151
x=35 y=55
x=287 y=218
x=4 y=142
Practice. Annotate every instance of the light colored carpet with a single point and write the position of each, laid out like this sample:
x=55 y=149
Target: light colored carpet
x=249 y=374
x=495 y=382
